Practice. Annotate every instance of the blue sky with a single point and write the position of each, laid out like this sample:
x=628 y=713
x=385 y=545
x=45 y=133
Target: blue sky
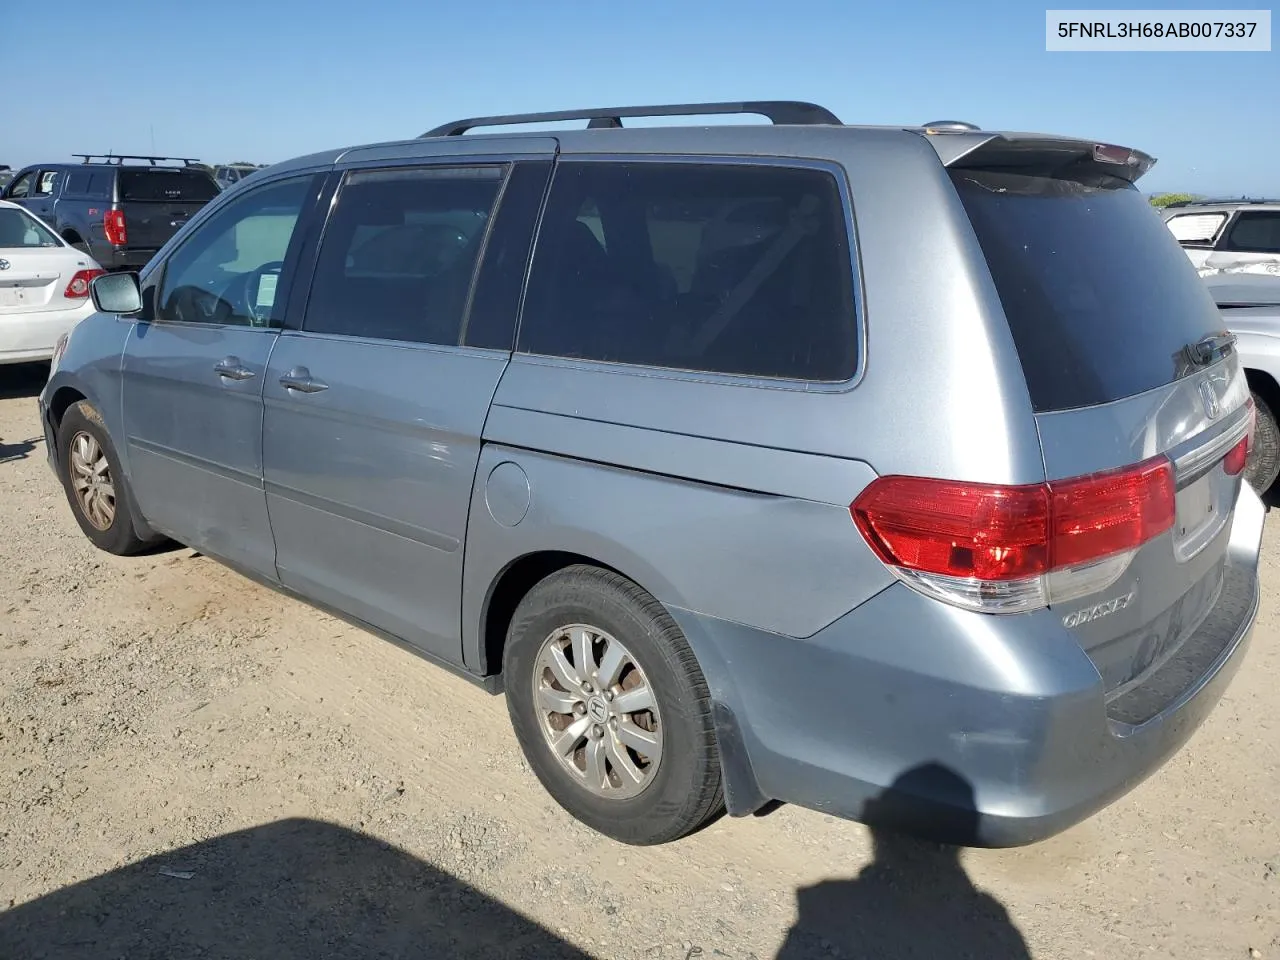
x=264 y=81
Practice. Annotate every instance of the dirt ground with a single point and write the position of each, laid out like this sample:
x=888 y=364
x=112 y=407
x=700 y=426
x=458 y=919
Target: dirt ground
x=193 y=766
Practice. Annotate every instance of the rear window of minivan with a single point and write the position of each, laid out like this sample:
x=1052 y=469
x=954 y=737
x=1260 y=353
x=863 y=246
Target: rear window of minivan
x=187 y=186
x=1099 y=296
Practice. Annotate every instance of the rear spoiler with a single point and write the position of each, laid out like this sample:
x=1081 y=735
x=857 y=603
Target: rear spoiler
x=1036 y=154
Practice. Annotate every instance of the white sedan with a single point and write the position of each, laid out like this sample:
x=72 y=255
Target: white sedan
x=44 y=286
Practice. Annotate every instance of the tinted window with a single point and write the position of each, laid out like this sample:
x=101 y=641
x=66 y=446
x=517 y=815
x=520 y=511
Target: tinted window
x=1099 y=297
x=161 y=184
x=231 y=270
x=1256 y=232
x=491 y=321
x=18 y=229
x=398 y=254
x=94 y=184
x=724 y=268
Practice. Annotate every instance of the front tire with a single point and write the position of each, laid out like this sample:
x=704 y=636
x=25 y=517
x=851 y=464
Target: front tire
x=1263 y=465
x=610 y=707
x=95 y=486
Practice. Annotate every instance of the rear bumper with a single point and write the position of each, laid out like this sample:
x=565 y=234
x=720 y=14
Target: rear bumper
x=30 y=337
x=970 y=729
x=128 y=258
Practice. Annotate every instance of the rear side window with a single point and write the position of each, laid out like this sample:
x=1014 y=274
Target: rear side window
x=1099 y=297
x=718 y=268
x=399 y=252
x=142 y=184
x=1196 y=229
x=1255 y=232
x=90 y=184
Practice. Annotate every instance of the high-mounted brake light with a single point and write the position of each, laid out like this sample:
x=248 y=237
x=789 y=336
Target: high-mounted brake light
x=1108 y=153
x=1006 y=549
x=78 y=288
x=113 y=226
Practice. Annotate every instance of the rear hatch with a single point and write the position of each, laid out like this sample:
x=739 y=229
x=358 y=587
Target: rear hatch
x=1133 y=376
x=37 y=267
x=157 y=201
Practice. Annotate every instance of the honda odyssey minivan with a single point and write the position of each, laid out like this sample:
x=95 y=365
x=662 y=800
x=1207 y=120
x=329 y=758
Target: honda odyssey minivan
x=752 y=463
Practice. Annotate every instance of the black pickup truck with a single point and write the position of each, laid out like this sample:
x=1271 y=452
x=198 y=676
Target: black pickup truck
x=119 y=209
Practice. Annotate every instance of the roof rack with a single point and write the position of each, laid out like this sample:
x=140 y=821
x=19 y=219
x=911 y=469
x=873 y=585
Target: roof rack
x=788 y=112
x=119 y=158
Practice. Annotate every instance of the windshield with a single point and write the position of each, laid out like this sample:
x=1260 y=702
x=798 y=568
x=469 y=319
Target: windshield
x=159 y=184
x=18 y=230
x=1099 y=296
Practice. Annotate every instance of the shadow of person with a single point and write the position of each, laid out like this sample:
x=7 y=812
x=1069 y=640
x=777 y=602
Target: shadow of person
x=291 y=890
x=914 y=900
x=16 y=451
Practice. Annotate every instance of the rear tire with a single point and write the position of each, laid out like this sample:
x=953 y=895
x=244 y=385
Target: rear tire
x=634 y=655
x=95 y=486
x=1264 y=459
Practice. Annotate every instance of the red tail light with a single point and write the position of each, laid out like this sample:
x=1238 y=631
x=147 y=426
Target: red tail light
x=113 y=226
x=966 y=539
x=1237 y=457
x=78 y=288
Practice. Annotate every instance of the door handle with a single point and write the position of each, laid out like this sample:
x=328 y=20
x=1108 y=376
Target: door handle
x=232 y=369
x=300 y=379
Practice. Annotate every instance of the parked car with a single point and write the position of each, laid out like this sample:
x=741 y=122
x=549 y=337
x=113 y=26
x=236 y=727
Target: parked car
x=44 y=286
x=6 y=174
x=1250 y=305
x=1228 y=236
x=117 y=209
x=735 y=501
x=232 y=173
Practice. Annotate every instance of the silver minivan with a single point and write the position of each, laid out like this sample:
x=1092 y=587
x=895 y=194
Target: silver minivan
x=894 y=472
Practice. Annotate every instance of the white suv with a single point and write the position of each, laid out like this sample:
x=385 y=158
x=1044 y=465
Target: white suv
x=1230 y=236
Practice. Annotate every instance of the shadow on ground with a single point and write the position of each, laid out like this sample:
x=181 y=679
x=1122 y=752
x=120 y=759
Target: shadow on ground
x=291 y=890
x=18 y=380
x=914 y=900
x=17 y=450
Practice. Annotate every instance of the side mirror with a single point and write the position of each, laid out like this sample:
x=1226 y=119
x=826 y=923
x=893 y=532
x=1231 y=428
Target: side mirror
x=116 y=293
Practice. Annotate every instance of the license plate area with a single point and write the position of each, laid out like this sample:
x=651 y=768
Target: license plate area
x=1201 y=510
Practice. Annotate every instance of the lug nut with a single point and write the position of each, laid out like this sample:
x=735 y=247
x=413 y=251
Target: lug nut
x=597 y=732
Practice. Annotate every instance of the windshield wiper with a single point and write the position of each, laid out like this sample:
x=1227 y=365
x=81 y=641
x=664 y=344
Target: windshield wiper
x=1211 y=349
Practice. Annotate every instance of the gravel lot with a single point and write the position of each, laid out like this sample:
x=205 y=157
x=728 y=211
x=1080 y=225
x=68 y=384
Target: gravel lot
x=194 y=766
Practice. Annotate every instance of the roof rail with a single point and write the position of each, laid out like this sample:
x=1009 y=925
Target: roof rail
x=119 y=158
x=789 y=112
x=1205 y=201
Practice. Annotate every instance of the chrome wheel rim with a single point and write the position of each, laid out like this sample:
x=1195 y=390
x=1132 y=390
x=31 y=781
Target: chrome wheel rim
x=91 y=481
x=597 y=711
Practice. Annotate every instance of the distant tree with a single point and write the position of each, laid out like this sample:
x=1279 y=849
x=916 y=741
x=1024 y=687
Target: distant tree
x=1164 y=199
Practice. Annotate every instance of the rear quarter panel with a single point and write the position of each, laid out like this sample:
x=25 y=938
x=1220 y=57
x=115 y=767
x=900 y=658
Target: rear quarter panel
x=1257 y=331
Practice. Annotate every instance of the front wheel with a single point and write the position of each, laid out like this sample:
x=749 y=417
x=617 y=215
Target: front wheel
x=96 y=488
x=1263 y=465
x=610 y=707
